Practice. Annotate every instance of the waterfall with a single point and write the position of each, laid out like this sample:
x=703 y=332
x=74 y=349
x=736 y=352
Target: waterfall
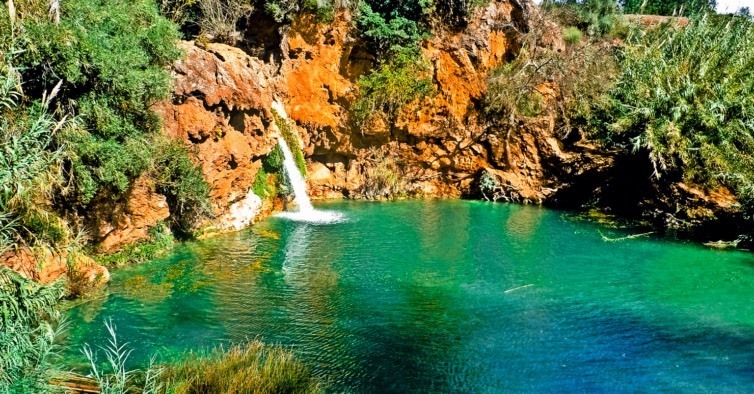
x=306 y=212
x=296 y=179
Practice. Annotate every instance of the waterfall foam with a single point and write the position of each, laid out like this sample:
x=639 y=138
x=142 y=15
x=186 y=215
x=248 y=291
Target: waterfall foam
x=306 y=212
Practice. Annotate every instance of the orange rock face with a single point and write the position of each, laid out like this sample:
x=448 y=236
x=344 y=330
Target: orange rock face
x=46 y=266
x=439 y=144
x=115 y=224
x=221 y=108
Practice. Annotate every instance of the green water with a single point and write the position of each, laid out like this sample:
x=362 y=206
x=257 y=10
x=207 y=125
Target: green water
x=448 y=296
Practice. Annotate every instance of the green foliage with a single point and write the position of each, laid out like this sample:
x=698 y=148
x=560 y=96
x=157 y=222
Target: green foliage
x=572 y=35
x=27 y=333
x=685 y=98
x=252 y=368
x=456 y=13
x=286 y=10
x=269 y=180
x=262 y=186
x=541 y=80
x=392 y=26
x=383 y=178
x=668 y=7
x=595 y=17
x=112 y=57
x=394 y=84
x=160 y=240
x=29 y=168
x=219 y=19
x=181 y=181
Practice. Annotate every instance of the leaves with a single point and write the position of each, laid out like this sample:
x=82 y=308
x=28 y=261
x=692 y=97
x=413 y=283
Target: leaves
x=686 y=97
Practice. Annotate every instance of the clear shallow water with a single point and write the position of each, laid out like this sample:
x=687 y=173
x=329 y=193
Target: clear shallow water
x=427 y=296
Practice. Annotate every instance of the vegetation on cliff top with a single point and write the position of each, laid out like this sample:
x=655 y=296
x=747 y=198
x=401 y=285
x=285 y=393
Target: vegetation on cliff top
x=684 y=97
x=78 y=82
x=679 y=98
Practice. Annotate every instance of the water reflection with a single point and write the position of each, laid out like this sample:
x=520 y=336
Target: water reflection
x=413 y=296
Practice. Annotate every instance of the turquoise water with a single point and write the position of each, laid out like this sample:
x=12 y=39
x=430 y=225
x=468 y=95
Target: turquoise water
x=448 y=296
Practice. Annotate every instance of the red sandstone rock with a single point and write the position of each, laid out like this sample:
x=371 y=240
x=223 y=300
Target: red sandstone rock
x=115 y=224
x=45 y=266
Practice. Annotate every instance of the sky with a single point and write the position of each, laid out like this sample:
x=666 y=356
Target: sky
x=733 y=5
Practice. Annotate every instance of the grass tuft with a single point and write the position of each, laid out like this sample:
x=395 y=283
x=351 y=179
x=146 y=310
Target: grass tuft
x=250 y=368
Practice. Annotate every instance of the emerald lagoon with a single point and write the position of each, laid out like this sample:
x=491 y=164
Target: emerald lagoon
x=445 y=296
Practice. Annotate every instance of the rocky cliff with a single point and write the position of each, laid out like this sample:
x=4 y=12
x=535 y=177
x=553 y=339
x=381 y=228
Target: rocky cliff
x=442 y=145
x=439 y=146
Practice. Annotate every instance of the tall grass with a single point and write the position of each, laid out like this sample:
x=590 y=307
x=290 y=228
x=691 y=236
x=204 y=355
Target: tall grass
x=250 y=368
x=27 y=333
x=29 y=166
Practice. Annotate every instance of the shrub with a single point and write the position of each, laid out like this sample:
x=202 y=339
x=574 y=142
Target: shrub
x=383 y=177
x=595 y=17
x=684 y=97
x=181 y=181
x=540 y=79
x=390 y=27
x=572 y=35
x=219 y=19
x=27 y=333
x=286 y=10
x=456 y=13
x=113 y=58
x=250 y=368
x=668 y=7
x=394 y=84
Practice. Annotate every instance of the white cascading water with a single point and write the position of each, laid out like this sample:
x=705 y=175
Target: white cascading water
x=306 y=212
x=297 y=181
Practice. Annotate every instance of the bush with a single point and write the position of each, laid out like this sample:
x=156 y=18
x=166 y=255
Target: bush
x=252 y=368
x=112 y=57
x=684 y=98
x=668 y=7
x=390 y=27
x=383 y=177
x=595 y=17
x=219 y=19
x=456 y=13
x=394 y=84
x=286 y=10
x=540 y=79
x=572 y=35
x=181 y=181
x=29 y=168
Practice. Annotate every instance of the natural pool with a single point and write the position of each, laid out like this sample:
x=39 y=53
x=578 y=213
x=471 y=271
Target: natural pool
x=448 y=296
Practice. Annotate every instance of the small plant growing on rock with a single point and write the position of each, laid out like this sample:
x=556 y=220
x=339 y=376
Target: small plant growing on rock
x=383 y=178
x=572 y=35
x=393 y=85
x=220 y=17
